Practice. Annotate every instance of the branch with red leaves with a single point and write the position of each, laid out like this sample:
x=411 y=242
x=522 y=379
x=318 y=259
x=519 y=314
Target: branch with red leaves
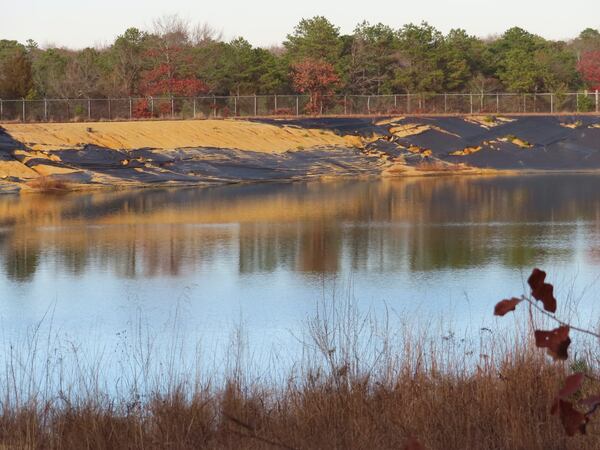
x=556 y=342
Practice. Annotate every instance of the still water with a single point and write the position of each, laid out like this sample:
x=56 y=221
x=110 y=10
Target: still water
x=264 y=255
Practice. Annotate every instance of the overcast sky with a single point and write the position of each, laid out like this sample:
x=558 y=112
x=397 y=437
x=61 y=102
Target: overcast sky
x=81 y=23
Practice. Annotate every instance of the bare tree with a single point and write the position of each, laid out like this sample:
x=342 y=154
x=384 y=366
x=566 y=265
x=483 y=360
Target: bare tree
x=83 y=73
x=172 y=29
x=203 y=33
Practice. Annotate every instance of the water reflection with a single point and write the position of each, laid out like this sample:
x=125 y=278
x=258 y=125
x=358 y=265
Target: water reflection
x=412 y=225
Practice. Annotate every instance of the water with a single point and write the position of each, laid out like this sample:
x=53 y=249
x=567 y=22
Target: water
x=200 y=262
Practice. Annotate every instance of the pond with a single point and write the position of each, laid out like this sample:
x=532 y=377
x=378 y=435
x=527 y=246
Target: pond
x=200 y=263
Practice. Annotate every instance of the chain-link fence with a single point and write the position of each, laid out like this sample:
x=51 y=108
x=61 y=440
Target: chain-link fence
x=67 y=110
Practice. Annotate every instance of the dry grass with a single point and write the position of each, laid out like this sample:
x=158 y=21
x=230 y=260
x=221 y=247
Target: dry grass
x=359 y=386
x=49 y=185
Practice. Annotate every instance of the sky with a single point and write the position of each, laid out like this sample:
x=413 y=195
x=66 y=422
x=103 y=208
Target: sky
x=81 y=23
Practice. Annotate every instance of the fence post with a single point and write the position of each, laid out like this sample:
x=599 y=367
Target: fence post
x=89 y=109
x=151 y=106
x=109 y=114
x=172 y=107
x=235 y=106
x=395 y=101
x=130 y=109
x=45 y=110
x=471 y=102
x=194 y=107
x=369 y=104
x=497 y=103
x=297 y=105
x=23 y=110
x=597 y=104
x=524 y=103
x=345 y=105
x=275 y=104
x=214 y=106
x=408 y=103
x=551 y=103
x=255 y=106
x=445 y=102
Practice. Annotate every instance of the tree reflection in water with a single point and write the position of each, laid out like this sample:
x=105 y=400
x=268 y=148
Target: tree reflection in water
x=419 y=224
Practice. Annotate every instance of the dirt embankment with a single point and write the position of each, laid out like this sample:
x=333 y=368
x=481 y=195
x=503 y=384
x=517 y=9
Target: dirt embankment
x=131 y=154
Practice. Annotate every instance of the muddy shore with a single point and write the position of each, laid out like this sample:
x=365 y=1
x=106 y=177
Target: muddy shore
x=208 y=152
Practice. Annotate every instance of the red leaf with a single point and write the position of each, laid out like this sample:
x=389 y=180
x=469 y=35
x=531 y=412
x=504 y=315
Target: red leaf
x=541 y=291
x=573 y=421
x=536 y=279
x=546 y=295
x=572 y=384
x=556 y=341
x=505 y=306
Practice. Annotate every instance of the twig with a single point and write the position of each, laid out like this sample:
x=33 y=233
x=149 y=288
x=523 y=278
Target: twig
x=557 y=320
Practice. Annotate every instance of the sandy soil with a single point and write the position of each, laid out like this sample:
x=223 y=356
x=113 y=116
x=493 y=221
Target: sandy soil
x=231 y=134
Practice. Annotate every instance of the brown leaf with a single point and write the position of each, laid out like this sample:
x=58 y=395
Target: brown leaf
x=573 y=421
x=505 y=306
x=556 y=341
x=541 y=291
x=572 y=384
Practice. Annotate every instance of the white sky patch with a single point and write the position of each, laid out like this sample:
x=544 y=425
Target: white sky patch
x=77 y=23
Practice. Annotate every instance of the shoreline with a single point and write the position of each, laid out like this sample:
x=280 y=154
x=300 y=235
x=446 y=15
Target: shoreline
x=199 y=153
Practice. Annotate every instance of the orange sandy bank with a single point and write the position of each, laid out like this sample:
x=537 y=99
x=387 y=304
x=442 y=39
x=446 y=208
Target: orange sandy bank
x=232 y=134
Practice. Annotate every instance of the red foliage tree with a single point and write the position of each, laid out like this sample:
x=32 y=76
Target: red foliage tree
x=317 y=78
x=170 y=74
x=141 y=110
x=163 y=80
x=589 y=67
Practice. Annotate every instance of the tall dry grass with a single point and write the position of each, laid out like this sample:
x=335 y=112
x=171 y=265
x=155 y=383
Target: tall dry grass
x=49 y=185
x=362 y=382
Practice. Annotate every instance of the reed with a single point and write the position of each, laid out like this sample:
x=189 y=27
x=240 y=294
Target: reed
x=362 y=382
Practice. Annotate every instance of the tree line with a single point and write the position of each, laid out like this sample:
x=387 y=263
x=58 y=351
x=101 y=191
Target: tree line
x=175 y=58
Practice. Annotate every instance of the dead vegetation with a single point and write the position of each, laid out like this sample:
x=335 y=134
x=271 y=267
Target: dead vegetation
x=361 y=384
x=49 y=185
